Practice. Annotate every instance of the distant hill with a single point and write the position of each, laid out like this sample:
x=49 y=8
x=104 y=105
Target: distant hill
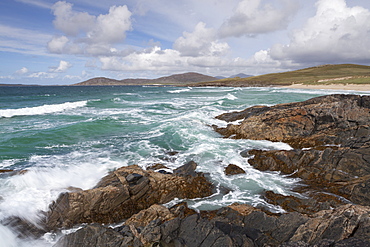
x=324 y=74
x=177 y=79
x=240 y=75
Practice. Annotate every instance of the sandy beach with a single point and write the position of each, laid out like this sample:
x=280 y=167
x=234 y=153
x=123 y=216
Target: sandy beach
x=354 y=87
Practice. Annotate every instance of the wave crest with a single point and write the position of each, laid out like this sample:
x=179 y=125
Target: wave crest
x=40 y=110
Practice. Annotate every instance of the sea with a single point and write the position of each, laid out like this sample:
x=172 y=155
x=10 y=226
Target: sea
x=57 y=137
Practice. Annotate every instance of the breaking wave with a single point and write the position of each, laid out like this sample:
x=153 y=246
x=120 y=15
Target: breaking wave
x=40 y=110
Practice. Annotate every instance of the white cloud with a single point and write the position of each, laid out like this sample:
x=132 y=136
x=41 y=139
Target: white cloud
x=337 y=33
x=87 y=34
x=69 y=21
x=22 y=71
x=63 y=66
x=251 y=17
x=168 y=61
x=201 y=42
x=42 y=75
x=58 y=44
x=112 y=27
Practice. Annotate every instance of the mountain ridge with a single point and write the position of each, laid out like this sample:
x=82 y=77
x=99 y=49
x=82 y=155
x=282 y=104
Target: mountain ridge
x=176 y=79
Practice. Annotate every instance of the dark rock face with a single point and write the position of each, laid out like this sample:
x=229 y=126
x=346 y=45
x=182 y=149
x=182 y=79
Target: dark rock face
x=331 y=137
x=125 y=192
x=233 y=170
x=237 y=225
x=323 y=120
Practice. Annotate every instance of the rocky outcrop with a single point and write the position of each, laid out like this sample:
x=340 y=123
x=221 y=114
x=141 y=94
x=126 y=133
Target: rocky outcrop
x=330 y=137
x=331 y=140
x=319 y=121
x=236 y=225
x=125 y=192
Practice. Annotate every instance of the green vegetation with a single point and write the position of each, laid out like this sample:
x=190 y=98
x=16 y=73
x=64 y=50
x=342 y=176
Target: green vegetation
x=325 y=74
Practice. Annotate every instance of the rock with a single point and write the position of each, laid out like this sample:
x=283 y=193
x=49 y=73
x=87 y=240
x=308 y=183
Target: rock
x=186 y=170
x=311 y=203
x=233 y=170
x=156 y=167
x=236 y=225
x=23 y=228
x=144 y=217
x=123 y=193
x=337 y=224
x=322 y=120
x=5 y=170
x=331 y=137
x=92 y=235
x=341 y=171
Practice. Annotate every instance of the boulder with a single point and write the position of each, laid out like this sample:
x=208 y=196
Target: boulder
x=123 y=193
x=233 y=170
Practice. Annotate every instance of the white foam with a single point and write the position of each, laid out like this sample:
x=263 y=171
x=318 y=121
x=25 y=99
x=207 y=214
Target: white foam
x=180 y=90
x=40 y=110
x=7 y=237
x=26 y=194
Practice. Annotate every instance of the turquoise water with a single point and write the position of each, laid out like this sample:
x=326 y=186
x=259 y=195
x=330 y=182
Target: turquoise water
x=73 y=136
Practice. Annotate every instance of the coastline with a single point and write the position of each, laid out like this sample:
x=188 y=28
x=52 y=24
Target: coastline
x=352 y=87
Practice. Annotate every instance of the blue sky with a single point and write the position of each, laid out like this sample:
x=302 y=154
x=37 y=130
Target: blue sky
x=63 y=42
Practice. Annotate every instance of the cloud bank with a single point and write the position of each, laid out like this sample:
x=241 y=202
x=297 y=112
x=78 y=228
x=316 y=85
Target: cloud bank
x=252 y=17
x=337 y=33
x=88 y=34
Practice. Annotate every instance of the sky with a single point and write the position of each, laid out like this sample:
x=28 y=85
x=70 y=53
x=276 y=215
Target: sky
x=64 y=42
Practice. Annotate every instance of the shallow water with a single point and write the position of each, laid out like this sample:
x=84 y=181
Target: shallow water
x=73 y=136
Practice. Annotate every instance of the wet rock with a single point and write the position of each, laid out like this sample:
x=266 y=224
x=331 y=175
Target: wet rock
x=313 y=202
x=233 y=170
x=186 y=170
x=124 y=192
x=5 y=170
x=92 y=235
x=341 y=171
x=157 y=167
x=331 y=137
x=23 y=228
x=236 y=225
x=144 y=217
x=337 y=224
x=323 y=120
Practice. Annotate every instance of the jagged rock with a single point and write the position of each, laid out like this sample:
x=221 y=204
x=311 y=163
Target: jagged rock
x=236 y=225
x=144 y=217
x=233 y=170
x=342 y=171
x=157 y=167
x=23 y=228
x=92 y=235
x=123 y=193
x=337 y=224
x=311 y=203
x=186 y=170
x=322 y=120
x=331 y=137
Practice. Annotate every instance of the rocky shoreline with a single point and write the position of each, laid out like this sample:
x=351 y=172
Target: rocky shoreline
x=330 y=136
